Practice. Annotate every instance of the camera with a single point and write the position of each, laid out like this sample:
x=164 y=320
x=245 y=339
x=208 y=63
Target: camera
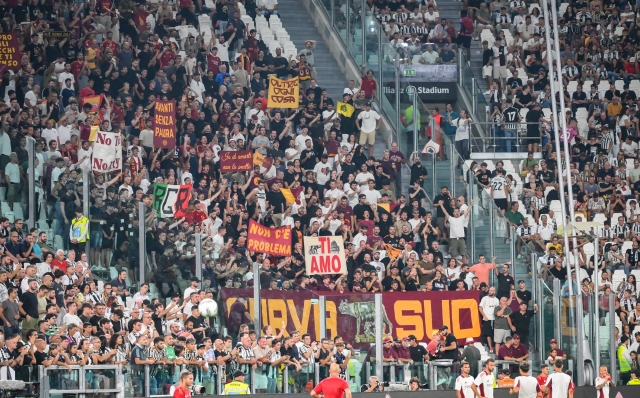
x=198 y=389
x=385 y=384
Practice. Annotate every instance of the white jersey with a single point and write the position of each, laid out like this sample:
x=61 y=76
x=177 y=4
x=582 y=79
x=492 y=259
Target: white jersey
x=463 y=384
x=498 y=183
x=560 y=383
x=489 y=305
x=604 y=391
x=484 y=382
x=528 y=385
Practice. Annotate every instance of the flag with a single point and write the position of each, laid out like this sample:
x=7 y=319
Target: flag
x=345 y=109
x=95 y=117
x=258 y=158
x=288 y=195
x=392 y=252
x=388 y=207
x=171 y=200
x=432 y=147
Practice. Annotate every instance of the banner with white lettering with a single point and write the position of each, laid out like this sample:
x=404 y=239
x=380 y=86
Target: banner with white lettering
x=171 y=200
x=107 y=152
x=324 y=255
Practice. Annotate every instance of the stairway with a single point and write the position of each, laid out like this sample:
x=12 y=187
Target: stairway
x=296 y=20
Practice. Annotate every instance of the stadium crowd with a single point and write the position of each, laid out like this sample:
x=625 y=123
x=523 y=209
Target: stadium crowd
x=69 y=288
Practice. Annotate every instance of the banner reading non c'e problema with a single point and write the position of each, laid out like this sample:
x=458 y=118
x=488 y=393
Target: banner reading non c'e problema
x=275 y=241
x=351 y=315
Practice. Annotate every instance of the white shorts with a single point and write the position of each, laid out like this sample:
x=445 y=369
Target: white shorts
x=500 y=72
x=487 y=71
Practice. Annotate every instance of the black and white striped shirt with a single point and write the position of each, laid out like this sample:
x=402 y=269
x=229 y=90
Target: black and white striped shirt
x=538 y=203
x=524 y=231
x=635 y=229
x=246 y=354
x=570 y=70
x=606 y=233
x=419 y=30
x=628 y=304
x=620 y=230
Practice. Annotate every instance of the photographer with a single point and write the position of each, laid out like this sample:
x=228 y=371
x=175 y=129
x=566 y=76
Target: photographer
x=373 y=385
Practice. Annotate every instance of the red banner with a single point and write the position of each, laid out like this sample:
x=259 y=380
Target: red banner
x=236 y=161
x=164 y=124
x=276 y=241
x=352 y=316
x=10 y=55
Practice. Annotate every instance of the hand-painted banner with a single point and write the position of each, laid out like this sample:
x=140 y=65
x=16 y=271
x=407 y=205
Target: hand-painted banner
x=10 y=55
x=283 y=93
x=324 y=255
x=231 y=161
x=95 y=117
x=57 y=35
x=171 y=200
x=164 y=124
x=107 y=152
x=276 y=241
x=352 y=315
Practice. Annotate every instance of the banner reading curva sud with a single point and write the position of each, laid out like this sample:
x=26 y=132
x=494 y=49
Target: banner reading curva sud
x=352 y=316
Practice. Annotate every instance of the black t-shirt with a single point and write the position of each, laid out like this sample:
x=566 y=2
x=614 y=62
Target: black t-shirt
x=450 y=354
x=157 y=323
x=417 y=353
x=504 y=284
x=40 y=357
x=447 y=205
x=30 y=304
x=486 y=57
x=524 y=295
x=522 y=321
x=95 y=321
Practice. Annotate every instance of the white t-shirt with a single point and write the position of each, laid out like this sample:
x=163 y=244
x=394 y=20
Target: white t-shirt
x=300 y=142
x=64 y=133
x=372 y=195
x=323 y=172
x=456 y=227
x=484 y=382
x=528 y=385
x=462 y=129
x=560 y=384
x=369 y=120
x=50 y=135
x=498 y=183
x=69 y=319
x=62 y=77
x=488 y=305
x=463 y=384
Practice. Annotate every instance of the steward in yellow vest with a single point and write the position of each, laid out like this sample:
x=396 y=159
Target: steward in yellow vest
x=79 y=231
x=237 y=386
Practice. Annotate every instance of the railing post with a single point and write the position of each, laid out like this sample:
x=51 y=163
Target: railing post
x=613 y=344
x=396 y=74
x=86 y=201
x=142 y=250
x=316 y=371
x=363 y=19
x=433 y=173
x=512 y=248
x=474 y=103
x=416 y=116
x=333 y=12
x=198 y=249
x=579 y=314
x=347 y=36
x=379 y=330
x=538 y=292
x=323 y=317
x=257 y=321
x=596 y=310
x=285 y=380
x=219 y=388
x=252 y=372
x=460 y=61
x=452 y=167
x=147 y=390
x=381 y=69
x=557 y=303
x=31 y=151
x=492 y=215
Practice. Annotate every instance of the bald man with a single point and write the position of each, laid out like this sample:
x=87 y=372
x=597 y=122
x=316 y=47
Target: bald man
x=333 y=386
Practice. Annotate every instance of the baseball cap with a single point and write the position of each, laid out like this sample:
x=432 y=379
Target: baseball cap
x=516 y=336
x=387 y=339
x=553 y=341
x=469 y=340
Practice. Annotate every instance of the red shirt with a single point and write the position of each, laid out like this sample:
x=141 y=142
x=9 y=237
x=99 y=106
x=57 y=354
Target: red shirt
x=166 y=57
x=368 y=86
x=76 y=67
x=195 y=216
x=85 y=92
x=332 y=387
x=110 y=44
x=213 y=63
x=60 y=264
x=140 y=20
x=181 y=392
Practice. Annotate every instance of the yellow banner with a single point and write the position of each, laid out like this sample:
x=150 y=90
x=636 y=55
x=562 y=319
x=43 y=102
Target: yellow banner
x=258 y=158
x=283 y=93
